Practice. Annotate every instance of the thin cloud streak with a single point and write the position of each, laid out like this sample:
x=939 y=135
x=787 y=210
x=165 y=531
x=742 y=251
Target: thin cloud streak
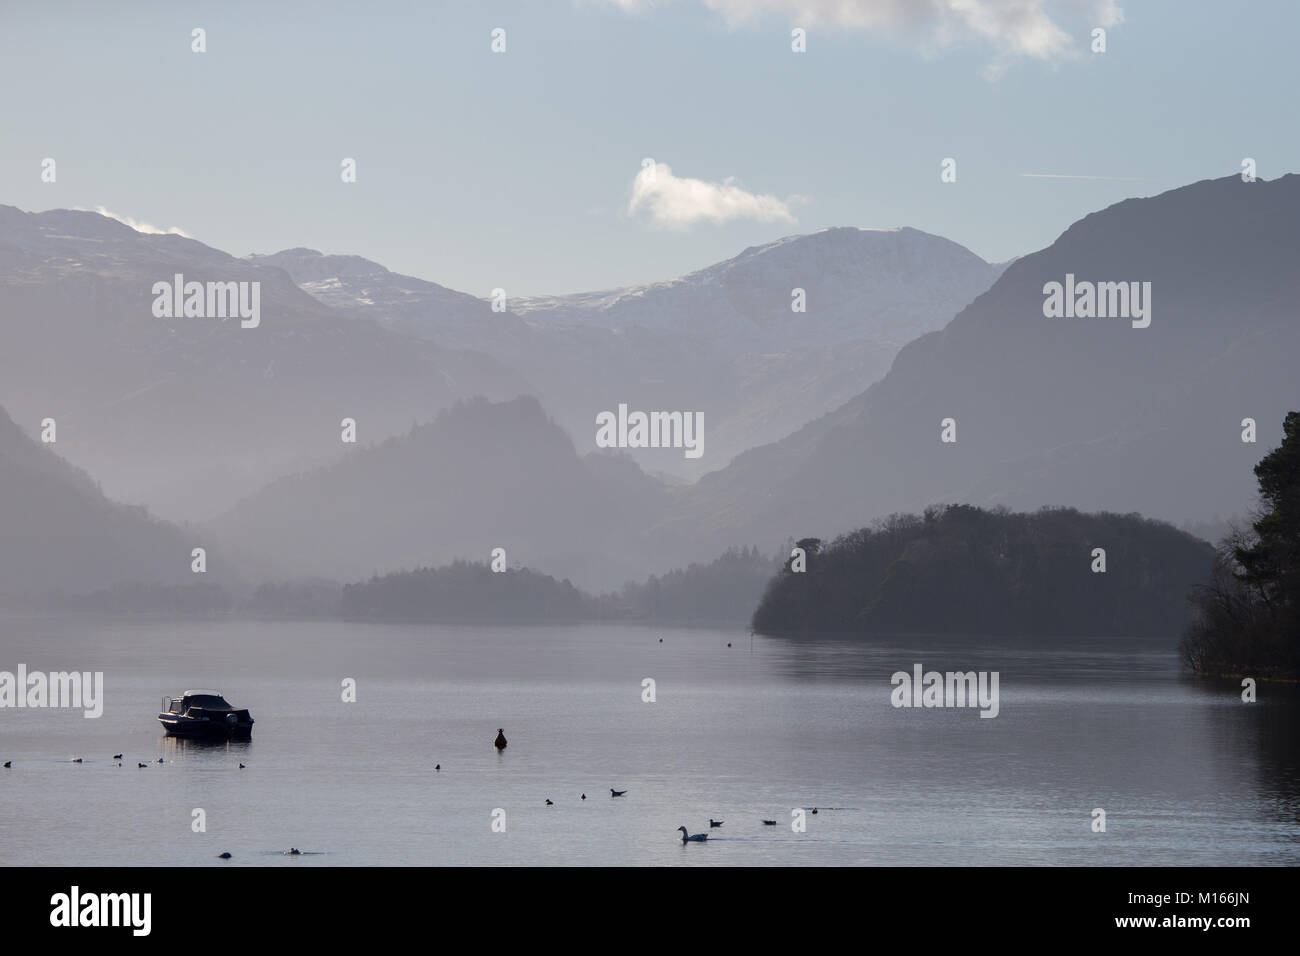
x=1125 y=179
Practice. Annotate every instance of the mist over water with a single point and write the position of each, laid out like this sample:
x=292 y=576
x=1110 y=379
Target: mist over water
x=1186 y=773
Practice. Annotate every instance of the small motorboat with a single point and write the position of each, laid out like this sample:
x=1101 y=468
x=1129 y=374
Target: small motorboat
x=204 y=713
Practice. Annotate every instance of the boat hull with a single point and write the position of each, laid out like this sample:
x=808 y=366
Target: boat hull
x=206 y=728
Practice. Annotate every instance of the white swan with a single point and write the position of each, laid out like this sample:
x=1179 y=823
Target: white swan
x=688 y=837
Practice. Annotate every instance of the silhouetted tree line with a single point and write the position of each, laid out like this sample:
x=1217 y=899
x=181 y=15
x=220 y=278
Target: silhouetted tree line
x=962 y=569
x=465 y=592
x=724 y=590
x=1248 y=615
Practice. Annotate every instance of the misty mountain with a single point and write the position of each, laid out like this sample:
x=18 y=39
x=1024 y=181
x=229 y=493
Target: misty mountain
x=480 y=476
x=1092 y=413
x=723 y=341
x=1088 y=412
x=190 y=414
x=59 y=532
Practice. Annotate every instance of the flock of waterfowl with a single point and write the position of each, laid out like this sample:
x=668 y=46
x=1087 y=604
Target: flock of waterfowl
x=500 y=743
x=8 y=764
x=687 y=836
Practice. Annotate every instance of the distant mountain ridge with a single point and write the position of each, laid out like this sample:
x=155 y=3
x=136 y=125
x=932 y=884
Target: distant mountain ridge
x=189 y=414
x=887 y=285
x=723 y=340
x=1087 y=413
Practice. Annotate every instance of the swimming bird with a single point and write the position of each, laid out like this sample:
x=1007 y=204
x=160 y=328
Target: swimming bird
x=117 y=756
x=814 y=810
x=584 y=796
x=223 y=856
x=688 y=837
x=142 y=765
x=8 y=764
x=160 y=760
x=728 y=643
x=76 y=760
x=661 y=640
x=549 y=804
x=769 y=823
x=500 y=743
x=438 y=767
x=715 y=823
x=241 y=767
x=293 y=851
x=616 y=793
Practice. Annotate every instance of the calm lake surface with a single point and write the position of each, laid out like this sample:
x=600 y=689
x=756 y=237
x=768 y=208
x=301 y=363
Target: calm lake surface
x=1187 y=774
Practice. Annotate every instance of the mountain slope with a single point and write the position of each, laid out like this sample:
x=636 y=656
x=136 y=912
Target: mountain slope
x=57 y=531
x=1088 y=412
x=189 y=414
x=480 y=476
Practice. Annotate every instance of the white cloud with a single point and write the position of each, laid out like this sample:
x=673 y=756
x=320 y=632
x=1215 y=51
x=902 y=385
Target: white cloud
x=1014 y=28
x=678 y=202
x=137 y=225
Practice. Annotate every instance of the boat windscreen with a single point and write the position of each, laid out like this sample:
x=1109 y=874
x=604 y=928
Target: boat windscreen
x=209 y=702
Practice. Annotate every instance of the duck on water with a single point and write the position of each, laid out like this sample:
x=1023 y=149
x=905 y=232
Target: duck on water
x=500 y=742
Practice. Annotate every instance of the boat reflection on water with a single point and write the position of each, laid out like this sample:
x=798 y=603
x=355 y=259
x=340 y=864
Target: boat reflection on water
x=206 y=747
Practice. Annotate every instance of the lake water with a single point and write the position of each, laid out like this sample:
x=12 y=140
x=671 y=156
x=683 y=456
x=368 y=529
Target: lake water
x=1187 y=774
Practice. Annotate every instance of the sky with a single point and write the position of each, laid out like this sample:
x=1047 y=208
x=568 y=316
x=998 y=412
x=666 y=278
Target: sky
x=616 y=142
